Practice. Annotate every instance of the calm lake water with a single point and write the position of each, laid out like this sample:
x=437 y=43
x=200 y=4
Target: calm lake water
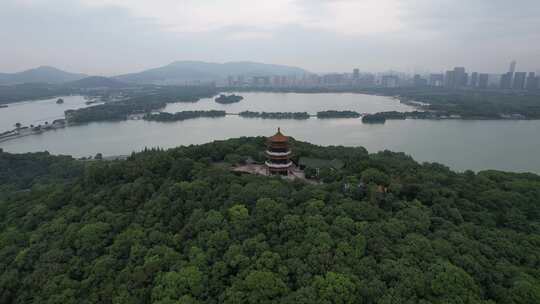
x=38 y=111
x=291 y=102
x=476 y=145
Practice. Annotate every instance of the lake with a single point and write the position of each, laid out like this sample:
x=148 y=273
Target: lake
x=296 y=102
x=498 y=144
x=38 y=111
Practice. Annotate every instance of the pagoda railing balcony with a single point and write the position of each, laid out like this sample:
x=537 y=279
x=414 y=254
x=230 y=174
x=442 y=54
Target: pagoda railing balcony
x=278 y=154
x=278 y=166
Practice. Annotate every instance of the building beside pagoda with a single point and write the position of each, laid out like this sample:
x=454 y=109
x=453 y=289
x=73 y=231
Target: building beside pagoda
x=278 y=161
x=278 y=154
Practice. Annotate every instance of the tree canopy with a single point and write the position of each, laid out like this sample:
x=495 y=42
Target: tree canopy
x=178 y=226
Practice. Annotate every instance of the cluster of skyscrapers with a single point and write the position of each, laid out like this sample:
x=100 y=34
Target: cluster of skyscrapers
x=519 y=80
x=457 y=78
x=454 y=79
x=306 y=80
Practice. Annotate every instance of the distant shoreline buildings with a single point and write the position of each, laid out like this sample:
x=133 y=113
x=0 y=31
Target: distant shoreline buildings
x=457 y=78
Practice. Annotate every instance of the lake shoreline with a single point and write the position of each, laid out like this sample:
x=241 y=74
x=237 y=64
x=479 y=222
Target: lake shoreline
x=278 y=116
x=476 y=144
x=4 y=137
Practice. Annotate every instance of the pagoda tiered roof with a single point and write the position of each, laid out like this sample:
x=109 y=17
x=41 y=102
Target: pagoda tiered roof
x=278 y=137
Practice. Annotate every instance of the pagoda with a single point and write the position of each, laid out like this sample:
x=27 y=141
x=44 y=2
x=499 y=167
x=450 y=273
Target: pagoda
x=278 y=154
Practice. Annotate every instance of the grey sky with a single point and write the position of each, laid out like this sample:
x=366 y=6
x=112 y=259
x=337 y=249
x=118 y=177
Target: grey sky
x=116 y=36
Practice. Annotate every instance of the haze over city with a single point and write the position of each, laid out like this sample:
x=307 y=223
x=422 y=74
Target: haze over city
x=111 y=37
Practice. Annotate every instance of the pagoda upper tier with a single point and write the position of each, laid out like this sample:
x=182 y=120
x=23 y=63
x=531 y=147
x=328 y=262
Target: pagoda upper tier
x=278 y=154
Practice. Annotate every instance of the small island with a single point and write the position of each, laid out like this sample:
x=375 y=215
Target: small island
x=3 y=106
x=381 y=117
x=178 y=116
x=226 y=99
x=374 y=118
x=59 y=101
x=337 y=114
x=274 y=115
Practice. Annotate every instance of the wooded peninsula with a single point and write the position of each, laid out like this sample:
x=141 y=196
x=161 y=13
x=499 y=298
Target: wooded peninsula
x=178 y=226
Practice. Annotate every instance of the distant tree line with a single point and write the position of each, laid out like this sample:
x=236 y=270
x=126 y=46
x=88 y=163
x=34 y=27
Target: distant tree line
x=164 y=117
x=337 y=114
x=142 y=103
x=275 y=115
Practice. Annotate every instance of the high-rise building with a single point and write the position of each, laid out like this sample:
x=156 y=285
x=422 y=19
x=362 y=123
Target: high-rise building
x=483 y=80
x=276 y=81
x=519 y=81
x=368 y=80
x=418 y=81
x=390 y=81
x=512 y=67
x=460 y=77
x=436 y=80
x=261 y=80
x=241 y=80
x=532 y=82
x=508 y=78
x=356 y=74
x=474 y=80
x=506 y=81
x=333 y=79
x=449 y=79
x=456 y=78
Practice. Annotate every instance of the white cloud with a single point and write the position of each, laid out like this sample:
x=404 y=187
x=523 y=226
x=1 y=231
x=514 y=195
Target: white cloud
x=341 y=16
x=118 y=36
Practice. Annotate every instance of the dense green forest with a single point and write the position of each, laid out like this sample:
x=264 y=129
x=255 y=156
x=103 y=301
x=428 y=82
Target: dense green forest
x=178 y=226
x=178 y=116
x=139 y=103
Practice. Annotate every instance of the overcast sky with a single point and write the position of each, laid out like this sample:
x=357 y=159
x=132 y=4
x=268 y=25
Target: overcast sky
x=107 y=37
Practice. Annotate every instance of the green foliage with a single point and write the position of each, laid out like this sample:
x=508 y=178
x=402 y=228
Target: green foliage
x=335 y=288
x=375 y=176
x=470 y=104
x=177 y=226
x=258 y=287
x=227 y=99
x=274 y=115
x=143 y=102
x=337 y=114
x=188 y=283
x=178 y=116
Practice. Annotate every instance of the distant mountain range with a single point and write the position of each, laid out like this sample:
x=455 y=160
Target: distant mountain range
x=175 y=73
x=43 y=74
x=95 y=82
x=182 y=71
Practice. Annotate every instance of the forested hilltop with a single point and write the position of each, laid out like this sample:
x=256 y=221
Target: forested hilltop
x=178 y=226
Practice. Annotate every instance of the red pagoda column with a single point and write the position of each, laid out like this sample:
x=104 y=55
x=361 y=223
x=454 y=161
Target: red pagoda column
x=278 y=154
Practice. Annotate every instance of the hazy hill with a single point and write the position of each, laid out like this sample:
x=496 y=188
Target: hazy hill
x=43 y=74
x=95 y=82
x=182 y=71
